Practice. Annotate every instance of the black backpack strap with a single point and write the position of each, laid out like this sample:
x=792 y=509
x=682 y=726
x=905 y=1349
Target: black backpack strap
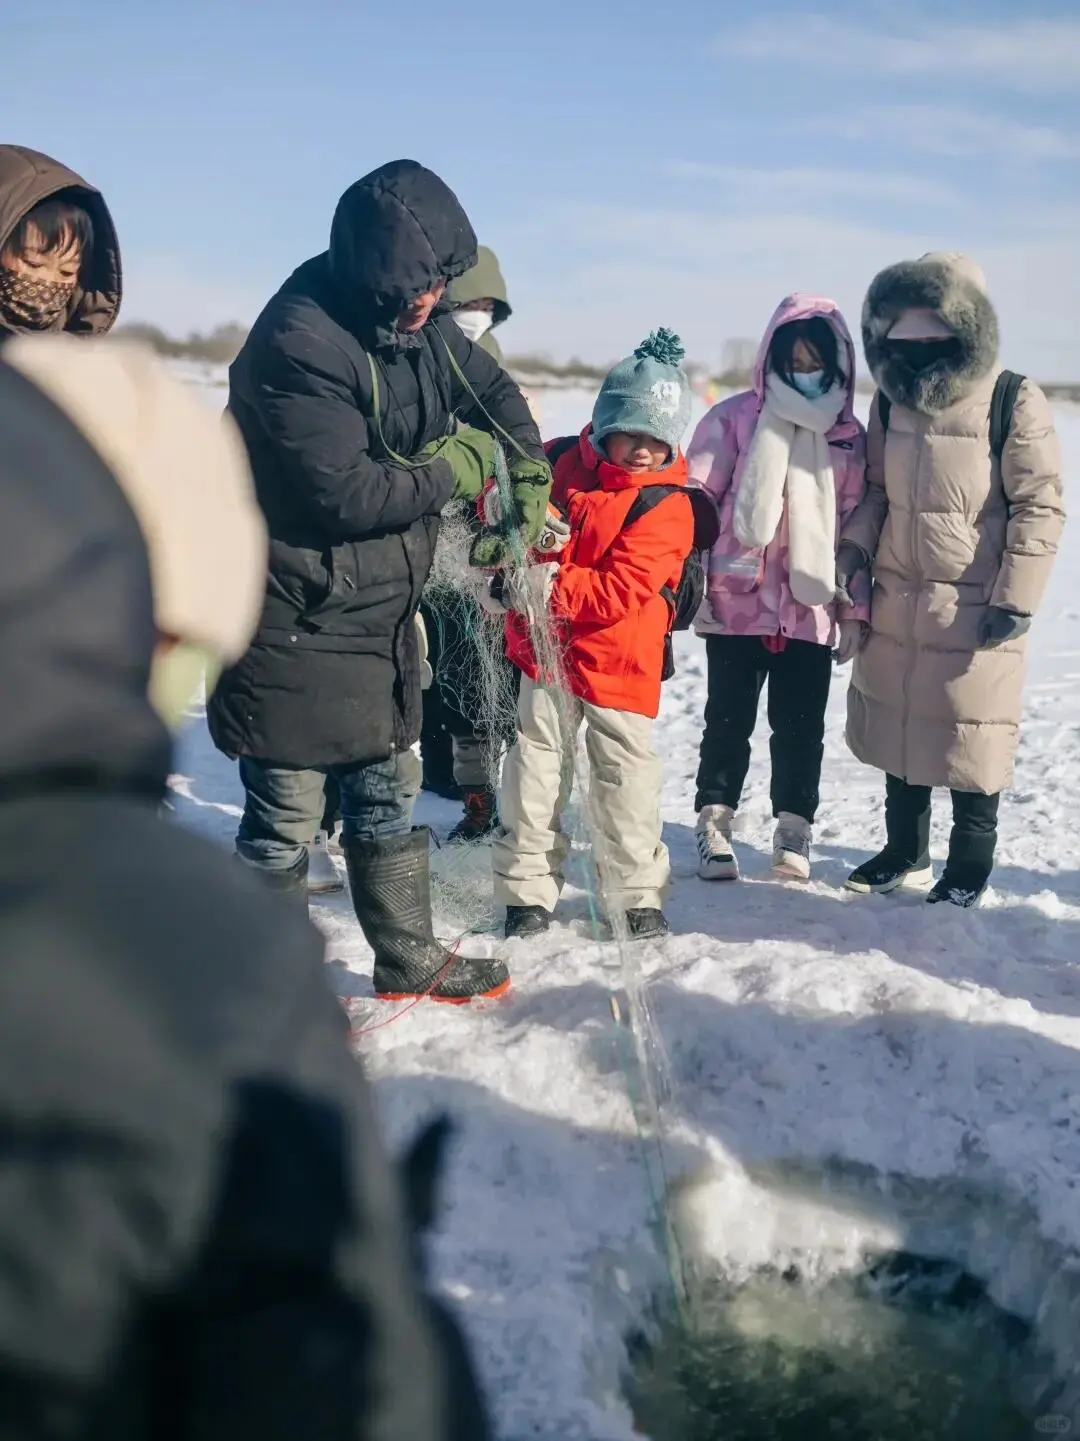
x=884 y=409
x=1002 y=404
x=648 y=498
x=556 y=449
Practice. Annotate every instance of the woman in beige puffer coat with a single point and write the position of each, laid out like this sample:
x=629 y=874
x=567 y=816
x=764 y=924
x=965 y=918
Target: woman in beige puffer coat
x=962 y=545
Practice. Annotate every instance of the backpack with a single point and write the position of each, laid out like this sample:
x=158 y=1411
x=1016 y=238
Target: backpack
x=686 y=598
x=1002 y=404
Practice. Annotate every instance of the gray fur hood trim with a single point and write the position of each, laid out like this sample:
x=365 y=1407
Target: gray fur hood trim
x=949 y=289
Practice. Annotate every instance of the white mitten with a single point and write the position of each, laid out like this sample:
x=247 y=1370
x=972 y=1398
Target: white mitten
x=427 y=675
x=528 y=590
x=490 y=598
x=555 y=534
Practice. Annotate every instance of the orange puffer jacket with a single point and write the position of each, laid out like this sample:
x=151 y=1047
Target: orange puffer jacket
x=606 y=602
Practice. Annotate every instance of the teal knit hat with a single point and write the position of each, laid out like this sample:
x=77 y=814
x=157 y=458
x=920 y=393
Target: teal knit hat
x=648 y=394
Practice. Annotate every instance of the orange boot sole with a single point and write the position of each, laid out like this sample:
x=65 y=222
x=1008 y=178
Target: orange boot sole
x=492 y=995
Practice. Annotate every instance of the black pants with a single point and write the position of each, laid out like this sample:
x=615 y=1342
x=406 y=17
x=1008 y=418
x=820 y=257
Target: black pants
x=974 y=831
x=799 y=677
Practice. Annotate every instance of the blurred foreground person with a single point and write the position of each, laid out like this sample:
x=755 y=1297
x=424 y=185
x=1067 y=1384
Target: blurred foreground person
x=199 y=1233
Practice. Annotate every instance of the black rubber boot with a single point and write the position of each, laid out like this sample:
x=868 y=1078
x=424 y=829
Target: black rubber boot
x=525 y=921
x=904 y=864
x=391 y=893
x=972 y=844
x=291 y=885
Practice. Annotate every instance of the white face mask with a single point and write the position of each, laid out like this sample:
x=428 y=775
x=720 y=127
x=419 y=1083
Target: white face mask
x=474 y=323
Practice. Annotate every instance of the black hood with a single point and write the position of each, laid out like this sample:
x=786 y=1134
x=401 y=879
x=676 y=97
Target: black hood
x=948 y=289
x=396 y=233
x=76 y=613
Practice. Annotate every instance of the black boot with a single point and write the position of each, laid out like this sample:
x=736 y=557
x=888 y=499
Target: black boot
x=904 y=864
x=646 y=923
x=291 y=885
x=971 y=851
x=437 y=760
x=525 y=921
x=391 y=893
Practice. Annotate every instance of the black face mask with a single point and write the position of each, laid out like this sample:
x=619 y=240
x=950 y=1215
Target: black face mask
x=923 y=354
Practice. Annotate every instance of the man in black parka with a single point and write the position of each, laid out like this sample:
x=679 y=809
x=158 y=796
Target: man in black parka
x=201 y=1236
x=345 y=393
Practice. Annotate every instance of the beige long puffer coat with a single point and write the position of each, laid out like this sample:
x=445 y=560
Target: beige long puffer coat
x=951 y=532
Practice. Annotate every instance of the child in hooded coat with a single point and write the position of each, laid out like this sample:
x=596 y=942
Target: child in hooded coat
x=611 y=620
x=785 y=462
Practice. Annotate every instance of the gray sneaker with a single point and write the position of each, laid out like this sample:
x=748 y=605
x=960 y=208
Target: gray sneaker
x=323 y=876
x=791 y=848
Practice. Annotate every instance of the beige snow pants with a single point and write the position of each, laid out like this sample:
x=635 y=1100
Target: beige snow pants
x=530 y=849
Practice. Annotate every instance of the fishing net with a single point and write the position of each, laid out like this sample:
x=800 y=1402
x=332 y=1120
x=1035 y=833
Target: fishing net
x=474 y=676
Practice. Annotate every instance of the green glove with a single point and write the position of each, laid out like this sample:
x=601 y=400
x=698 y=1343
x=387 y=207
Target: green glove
x=470 y=454
x=530 y=486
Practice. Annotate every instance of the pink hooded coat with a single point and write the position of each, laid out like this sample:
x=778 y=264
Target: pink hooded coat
x=748 y=598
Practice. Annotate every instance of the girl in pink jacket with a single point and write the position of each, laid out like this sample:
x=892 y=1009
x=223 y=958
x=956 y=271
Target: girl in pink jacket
x=785 y=463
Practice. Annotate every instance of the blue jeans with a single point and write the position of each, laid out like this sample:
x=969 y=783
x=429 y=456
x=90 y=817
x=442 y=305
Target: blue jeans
x=283 y=808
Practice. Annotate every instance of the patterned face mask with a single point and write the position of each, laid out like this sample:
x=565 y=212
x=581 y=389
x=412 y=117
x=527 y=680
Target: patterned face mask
x=29 y=304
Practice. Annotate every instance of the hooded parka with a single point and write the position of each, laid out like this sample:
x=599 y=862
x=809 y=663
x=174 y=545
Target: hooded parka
x=484 y=282
x=26 y=179
x=952 y=531
x=326 y=393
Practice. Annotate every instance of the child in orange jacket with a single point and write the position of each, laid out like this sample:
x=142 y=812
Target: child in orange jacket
x=605 y=595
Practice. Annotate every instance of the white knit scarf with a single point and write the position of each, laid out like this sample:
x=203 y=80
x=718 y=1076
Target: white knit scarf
x=789 y=459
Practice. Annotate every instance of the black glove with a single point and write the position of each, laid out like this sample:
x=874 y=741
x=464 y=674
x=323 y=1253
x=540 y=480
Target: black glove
x=851 y=561
x=999 y=625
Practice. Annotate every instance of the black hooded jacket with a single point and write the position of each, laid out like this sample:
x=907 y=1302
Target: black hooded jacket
x=200 y=1236
x=333 y=676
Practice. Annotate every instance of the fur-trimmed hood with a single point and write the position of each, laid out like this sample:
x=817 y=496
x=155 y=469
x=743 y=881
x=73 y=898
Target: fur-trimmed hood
x=953 y=287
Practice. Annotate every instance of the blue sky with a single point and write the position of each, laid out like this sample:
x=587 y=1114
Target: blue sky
x=684 y=163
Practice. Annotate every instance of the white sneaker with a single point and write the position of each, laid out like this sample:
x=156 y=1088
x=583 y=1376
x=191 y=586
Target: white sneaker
x=716 y=858
x=323 y=875
x=791 y=848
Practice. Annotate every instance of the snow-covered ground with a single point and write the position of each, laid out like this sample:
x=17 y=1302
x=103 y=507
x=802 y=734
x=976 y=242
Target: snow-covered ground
x=849 y=1069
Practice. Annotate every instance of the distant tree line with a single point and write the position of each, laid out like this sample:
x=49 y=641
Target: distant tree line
x=221 y=345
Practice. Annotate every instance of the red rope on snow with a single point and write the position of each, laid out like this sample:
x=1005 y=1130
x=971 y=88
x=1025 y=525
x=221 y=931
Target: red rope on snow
x=405 y=1009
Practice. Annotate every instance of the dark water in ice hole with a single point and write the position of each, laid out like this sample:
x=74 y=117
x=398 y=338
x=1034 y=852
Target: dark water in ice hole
x=911 y=1349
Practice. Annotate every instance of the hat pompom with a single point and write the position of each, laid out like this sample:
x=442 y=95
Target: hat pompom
x=663 y=345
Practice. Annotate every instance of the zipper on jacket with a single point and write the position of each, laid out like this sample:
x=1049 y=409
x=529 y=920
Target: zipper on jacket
x=912 y=648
